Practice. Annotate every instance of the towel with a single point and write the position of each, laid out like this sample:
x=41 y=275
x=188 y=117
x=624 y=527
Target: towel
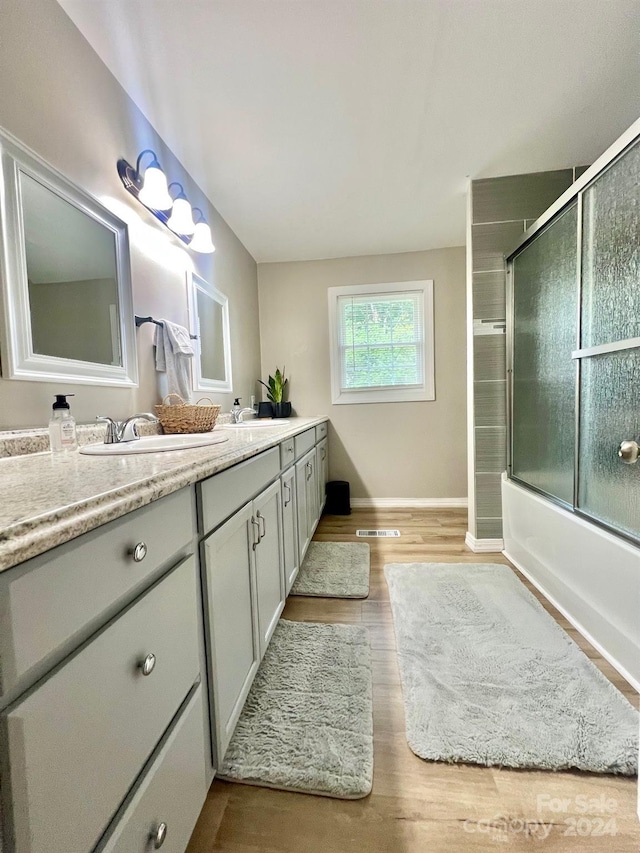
x=173 y=353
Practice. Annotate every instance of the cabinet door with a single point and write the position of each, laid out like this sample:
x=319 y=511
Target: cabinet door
x=304 y=529
x=311 y=482
x=267 y=512
x=322 y=468
x=289 y=528
x=232 y=629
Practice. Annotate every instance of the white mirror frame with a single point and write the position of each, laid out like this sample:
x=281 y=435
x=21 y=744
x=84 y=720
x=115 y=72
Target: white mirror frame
x=201 y=383
x=16 y=347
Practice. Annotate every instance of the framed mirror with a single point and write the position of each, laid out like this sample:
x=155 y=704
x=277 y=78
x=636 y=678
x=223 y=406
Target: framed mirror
x=209 y=311
x=67 y=307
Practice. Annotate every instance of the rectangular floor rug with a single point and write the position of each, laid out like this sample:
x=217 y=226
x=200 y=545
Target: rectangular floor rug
x=334 y=570
x=307 y=724
x=489 y=677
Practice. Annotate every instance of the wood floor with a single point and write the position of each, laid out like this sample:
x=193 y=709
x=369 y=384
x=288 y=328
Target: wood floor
x=418 y=806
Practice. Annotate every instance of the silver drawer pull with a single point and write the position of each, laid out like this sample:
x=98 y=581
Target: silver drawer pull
x=158 y=837
x=139 y=552
x=289 y=449
x=148 y=664
x=287 y=500
x=263 y=532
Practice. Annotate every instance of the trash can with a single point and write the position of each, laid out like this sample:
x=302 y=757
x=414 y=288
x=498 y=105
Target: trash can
x=338 y=498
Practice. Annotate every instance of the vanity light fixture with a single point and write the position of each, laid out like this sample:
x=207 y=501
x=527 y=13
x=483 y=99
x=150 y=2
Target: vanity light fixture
x=151 y=190
x=201 y=240
x=181 y=219
x=154 y=192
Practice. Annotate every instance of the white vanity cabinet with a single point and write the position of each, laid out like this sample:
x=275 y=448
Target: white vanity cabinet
x=244 y=588
x=83 y=737
x=117 y=699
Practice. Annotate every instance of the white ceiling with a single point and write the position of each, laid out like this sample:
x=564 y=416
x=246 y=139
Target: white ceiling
x=327 y=128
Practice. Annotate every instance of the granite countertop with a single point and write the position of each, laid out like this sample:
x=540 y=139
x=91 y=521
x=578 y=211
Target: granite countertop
x=47 y=500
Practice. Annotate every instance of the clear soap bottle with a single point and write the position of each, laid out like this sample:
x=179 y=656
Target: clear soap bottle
x=62 y=427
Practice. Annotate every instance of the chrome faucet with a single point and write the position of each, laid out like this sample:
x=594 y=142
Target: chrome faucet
x=118 y=431
x=236 y=414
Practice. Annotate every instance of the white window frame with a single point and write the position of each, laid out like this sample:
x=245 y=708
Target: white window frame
x=425 y=391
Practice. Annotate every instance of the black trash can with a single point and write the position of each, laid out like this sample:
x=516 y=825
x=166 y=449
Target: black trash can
x=338 y=498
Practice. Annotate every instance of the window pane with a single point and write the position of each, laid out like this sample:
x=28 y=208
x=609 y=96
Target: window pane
x=381 y=338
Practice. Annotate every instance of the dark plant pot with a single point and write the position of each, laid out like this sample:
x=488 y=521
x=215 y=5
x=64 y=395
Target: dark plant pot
x=265 y=410
x=281 y=410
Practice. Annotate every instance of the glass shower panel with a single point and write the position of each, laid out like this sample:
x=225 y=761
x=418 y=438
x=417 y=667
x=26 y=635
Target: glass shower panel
x=545 y=306
x=611 y=254
x=609 y=490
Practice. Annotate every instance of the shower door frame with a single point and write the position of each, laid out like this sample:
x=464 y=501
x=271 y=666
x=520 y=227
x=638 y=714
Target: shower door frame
x=574 y=193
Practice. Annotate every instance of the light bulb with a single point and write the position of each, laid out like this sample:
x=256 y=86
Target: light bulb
x=201 y=240
x=181 y=219
x=154 y=192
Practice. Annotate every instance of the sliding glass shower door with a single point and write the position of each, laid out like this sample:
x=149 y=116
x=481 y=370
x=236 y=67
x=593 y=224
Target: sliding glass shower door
x=575 y=351
x=545 y=305
x=609 y=489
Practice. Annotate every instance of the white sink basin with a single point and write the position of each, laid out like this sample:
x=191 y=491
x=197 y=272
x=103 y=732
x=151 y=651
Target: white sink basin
x=256 y=423
x=154 y=444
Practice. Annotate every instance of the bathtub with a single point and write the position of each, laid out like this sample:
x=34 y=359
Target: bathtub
x=590 y=575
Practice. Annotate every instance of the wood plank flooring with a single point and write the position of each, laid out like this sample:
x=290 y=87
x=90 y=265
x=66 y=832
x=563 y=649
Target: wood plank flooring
x=418 y=806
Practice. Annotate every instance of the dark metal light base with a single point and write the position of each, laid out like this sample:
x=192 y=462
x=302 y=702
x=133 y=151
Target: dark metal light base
x=132 y=183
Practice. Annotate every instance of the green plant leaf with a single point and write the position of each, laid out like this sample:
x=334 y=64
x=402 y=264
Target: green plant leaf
x=276 y=387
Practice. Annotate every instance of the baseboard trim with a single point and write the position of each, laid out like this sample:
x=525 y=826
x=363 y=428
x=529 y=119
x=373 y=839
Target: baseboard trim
x=615 y=663
x=408 y=503
x=483 y=546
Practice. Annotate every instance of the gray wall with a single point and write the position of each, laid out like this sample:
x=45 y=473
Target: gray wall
x=501 y=209
x=385 y=450
x=58 y=97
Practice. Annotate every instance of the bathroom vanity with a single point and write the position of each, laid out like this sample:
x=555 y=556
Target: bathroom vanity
x=138 y=596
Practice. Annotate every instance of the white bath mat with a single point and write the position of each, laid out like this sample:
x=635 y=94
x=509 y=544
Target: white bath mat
x=334 y=570
x=307 y=724
x=489 y=677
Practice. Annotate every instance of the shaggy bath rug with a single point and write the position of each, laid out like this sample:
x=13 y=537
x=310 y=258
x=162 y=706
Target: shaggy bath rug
x=334 y=570
x=489 y=677
x=307 y=724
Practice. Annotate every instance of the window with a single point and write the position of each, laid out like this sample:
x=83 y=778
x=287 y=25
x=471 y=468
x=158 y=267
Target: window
x=382 y=342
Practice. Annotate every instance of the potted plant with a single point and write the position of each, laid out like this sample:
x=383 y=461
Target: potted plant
x=277 y=390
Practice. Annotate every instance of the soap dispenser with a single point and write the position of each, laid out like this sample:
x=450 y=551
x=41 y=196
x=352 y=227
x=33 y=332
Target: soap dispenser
x=62 y=426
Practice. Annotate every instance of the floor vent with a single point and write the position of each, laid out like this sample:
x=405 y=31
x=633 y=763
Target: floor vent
x=380 y=534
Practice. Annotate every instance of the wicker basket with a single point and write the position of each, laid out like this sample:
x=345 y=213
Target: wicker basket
x=183 y=417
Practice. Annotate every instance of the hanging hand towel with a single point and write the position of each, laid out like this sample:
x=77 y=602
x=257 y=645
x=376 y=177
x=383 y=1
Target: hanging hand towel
x=173 y=352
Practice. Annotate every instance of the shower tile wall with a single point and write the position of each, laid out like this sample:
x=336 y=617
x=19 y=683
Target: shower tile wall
x=502 y=209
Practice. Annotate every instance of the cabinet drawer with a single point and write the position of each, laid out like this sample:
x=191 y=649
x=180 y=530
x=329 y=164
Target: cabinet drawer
x=171 y=793
x=305 y=441
x=56 y=600
x=321 y=431
x=224 y=493
x=77 y=743
x=287 y=453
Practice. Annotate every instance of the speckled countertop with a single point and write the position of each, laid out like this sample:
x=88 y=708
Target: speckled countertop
x=47 y=500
